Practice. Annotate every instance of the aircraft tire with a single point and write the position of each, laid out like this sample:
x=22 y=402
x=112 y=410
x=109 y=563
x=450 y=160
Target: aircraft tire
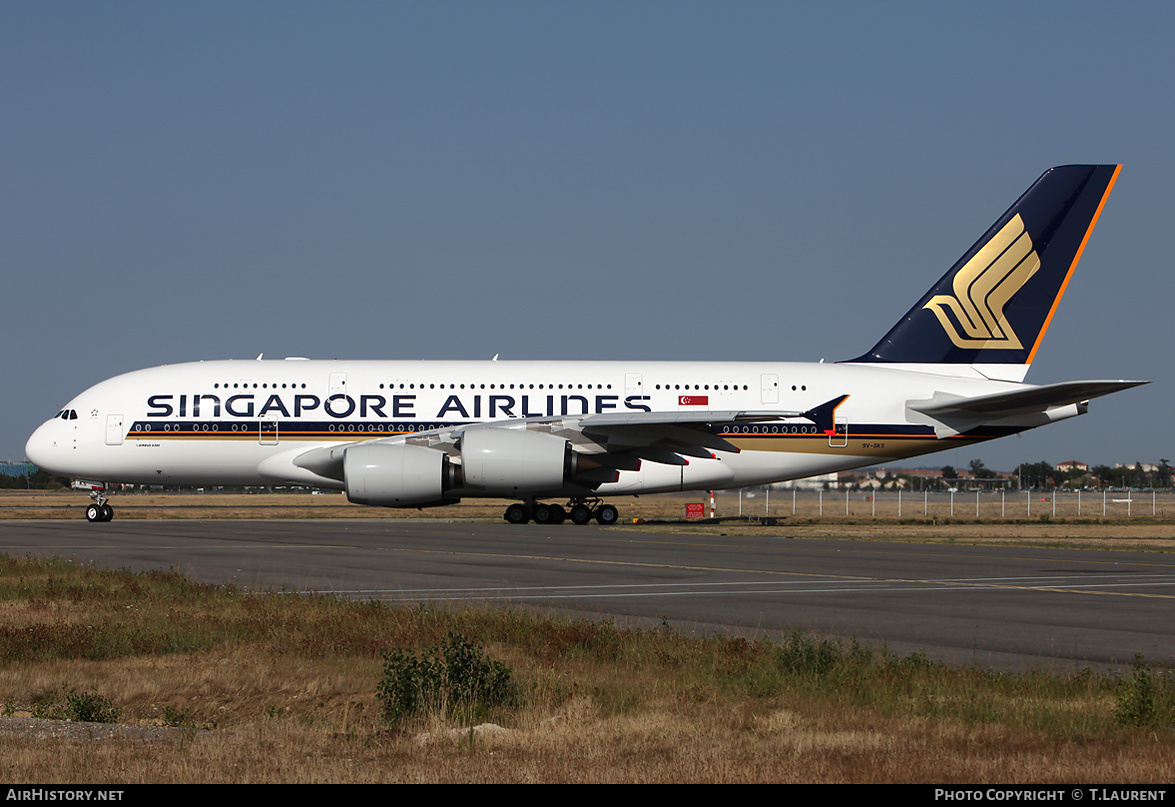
x=607 y=515
x=581 y=514
x=517 y=514
x=94 y=513
x=107 y=513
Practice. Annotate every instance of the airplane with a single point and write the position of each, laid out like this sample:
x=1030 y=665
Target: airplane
x=413 y=434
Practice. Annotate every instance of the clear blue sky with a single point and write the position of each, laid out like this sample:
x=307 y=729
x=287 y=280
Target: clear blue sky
x=642 y=180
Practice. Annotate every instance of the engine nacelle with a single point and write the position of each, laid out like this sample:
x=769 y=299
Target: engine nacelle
x=514 y=462
x=396 y=475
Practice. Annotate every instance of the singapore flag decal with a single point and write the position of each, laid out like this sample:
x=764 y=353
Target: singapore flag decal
x=693 y=400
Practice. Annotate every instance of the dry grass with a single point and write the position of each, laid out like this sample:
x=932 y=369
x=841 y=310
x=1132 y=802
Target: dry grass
x=275 y=688
x=282 y=689
x=706 y=745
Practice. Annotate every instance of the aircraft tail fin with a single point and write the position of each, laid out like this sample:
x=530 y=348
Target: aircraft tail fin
x=995 y=304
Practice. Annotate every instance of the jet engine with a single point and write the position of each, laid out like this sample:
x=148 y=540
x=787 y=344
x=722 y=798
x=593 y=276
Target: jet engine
x=510 y=463
x=398 y=475
x=515 y=462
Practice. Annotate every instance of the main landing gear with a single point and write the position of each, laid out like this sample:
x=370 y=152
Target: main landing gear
x=580 y=513
x=100 y=510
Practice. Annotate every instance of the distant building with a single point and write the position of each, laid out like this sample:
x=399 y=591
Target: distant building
x=817 y=482
x=922 y=478
x=1072 y=465
x=1148 y=467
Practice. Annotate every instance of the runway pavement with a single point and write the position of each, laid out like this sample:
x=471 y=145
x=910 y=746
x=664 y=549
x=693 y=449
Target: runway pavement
x=990 y=606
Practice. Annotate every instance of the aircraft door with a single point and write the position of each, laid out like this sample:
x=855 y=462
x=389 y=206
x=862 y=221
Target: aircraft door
x=839 y=438
x=114 y=431
x=769 y=383
x=267 y=432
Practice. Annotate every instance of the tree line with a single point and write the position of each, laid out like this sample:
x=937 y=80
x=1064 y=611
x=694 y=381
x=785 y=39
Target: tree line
x=1043 y=475
x=38 y=480
x=1028 y=475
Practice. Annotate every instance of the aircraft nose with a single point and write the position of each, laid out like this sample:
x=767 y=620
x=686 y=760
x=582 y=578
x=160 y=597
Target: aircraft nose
x=40 y=447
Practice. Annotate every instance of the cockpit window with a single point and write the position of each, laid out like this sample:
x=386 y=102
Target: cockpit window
x=67 y=414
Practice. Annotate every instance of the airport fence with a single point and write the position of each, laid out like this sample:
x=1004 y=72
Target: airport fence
x=1041 y=505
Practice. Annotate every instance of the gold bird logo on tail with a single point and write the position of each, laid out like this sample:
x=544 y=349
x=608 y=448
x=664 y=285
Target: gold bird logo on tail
x=983 y=287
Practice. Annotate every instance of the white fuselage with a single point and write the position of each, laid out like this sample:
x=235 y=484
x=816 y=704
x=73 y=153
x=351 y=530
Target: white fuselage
x=242 y=422
x=422 y=433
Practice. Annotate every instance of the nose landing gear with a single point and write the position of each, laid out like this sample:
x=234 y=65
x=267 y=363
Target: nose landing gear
x=100 y=510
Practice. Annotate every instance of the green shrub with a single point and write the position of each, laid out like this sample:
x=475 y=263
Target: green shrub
x=83 y=707
x=1137 y=705
x=177 y=717
x=453 y=677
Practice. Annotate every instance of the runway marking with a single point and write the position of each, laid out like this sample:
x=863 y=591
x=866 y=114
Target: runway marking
x=915 y=584
x=727 y=588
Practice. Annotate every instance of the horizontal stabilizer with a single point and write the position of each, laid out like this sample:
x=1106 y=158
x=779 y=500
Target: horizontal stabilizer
x=1033 y=399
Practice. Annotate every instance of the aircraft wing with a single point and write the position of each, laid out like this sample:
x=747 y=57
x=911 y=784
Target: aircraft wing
x=664 y=437
x=612 y=419
x=613 y=441
x=671 y=437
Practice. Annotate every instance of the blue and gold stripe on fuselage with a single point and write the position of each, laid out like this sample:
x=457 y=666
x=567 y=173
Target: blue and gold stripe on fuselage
x=883 y=441
x=869 y=440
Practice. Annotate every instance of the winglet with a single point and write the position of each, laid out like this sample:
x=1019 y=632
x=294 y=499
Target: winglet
x=824 y=414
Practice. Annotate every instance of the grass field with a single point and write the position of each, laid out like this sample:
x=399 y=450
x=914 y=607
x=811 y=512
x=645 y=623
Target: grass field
x=212 y=685
x=208 y=684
